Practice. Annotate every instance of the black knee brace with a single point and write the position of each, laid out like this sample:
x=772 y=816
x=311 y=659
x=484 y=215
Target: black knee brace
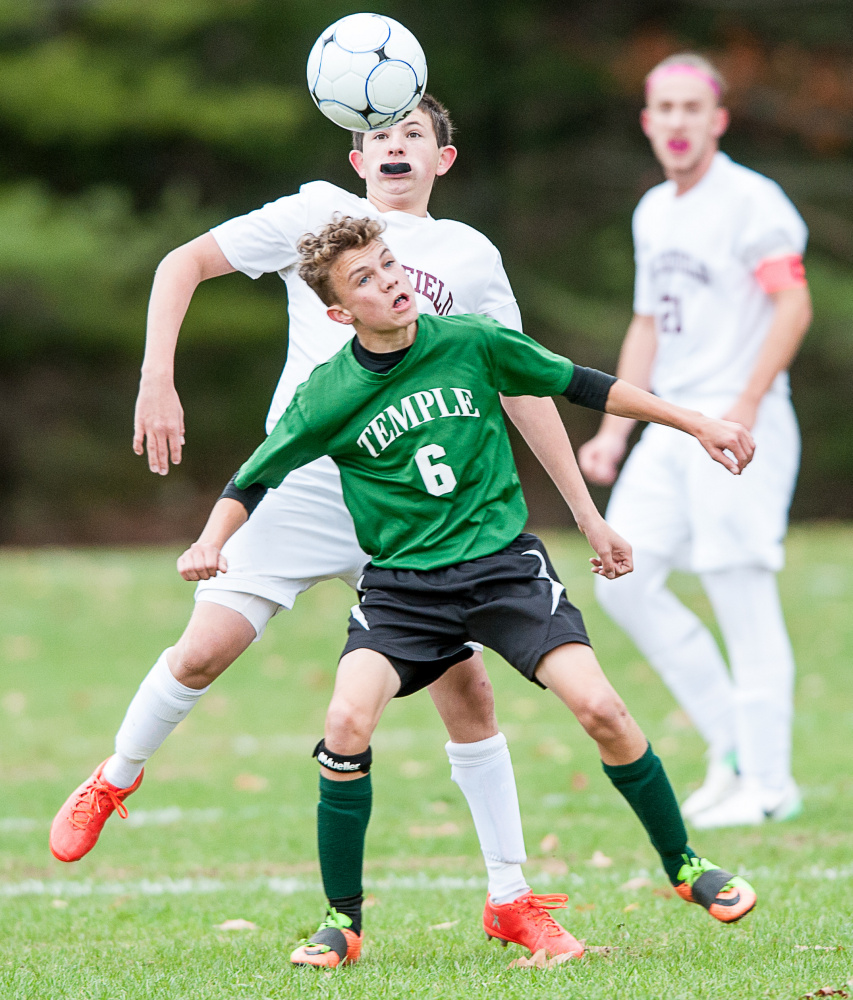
x=340 y=763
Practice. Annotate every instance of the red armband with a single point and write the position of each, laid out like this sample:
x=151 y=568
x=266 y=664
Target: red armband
x=779 y=273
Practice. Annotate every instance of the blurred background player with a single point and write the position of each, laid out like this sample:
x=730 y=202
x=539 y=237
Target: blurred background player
x=302 y=533
x=720 y=308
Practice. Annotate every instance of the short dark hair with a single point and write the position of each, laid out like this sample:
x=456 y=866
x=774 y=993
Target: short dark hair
x=318 y=252
x=441 y=123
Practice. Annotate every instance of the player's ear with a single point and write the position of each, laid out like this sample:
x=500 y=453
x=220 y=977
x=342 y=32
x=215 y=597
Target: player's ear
x=446 y=159
x=720 y=122
x=644 y=121
x=338 y=314
x=356 y=158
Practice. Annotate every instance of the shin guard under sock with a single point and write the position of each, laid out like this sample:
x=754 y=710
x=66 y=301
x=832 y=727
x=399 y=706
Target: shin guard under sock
x=647 y=790
x=343 y=813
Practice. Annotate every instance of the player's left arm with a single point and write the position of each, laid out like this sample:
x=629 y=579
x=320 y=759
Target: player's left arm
x=792 y=316
x=542 y=428
x=726 y=442
x=539 y=423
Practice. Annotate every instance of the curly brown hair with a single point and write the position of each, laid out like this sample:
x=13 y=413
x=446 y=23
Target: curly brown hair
x=318 y=252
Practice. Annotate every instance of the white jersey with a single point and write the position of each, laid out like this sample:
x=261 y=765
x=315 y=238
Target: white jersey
x=302 y=532
x=696 y=256
x=454 y=269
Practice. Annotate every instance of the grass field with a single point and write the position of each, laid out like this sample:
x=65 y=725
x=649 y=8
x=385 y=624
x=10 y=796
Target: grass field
x=223 y=826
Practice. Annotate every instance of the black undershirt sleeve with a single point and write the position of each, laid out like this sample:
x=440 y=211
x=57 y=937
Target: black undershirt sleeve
x=250 y=497
x=589 y=387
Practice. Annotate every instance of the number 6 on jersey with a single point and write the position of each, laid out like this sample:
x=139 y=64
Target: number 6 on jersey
x=438 y=477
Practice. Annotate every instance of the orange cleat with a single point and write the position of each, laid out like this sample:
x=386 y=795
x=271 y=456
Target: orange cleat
x=526 y=921
x=725 y=896
x=78 y=824
x=331 y=945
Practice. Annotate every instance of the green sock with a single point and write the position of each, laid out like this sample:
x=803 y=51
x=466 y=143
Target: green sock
x=343 y=813
x=648 y=792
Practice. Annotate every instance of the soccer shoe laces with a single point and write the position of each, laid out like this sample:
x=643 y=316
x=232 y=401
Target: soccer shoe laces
x=332 y=921
x=690 y=871
x=538 y=907
x=340 y=921
x=89 y=803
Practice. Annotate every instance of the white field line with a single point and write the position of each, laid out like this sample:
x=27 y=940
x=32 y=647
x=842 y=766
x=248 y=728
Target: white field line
x=77 y=888
x=282 y=886
x=168 y=816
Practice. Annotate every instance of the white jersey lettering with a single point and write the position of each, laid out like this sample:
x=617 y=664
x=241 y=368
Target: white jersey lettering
x=442 y=406
x=414 y=410
x=464 y=397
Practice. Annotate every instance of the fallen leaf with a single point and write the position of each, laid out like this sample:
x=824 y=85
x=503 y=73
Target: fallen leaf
x=540 y=961
x=600 y=949
x=554 y=866
x=580 y=782
x=443 y=830
x=59 y=904
x=559 y=960
x=818 y=947
x=413 y=768
x=445 y=926
x=250 y=783
x=582 y=907
x=679 y=719
x=553 y=750
x=550 y=842
x=15 y=702
x=826 y=991
x=539 y=958
x=640 y=882
x=667 y=893
x=370 y=900
x=630 y=906
x=600 y=860
x=236 y=925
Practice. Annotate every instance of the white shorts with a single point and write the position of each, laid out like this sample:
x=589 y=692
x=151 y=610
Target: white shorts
x=300 y=534
x=673 y=500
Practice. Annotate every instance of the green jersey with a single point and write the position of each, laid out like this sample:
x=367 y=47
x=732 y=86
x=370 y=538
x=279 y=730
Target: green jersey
x=425 y=460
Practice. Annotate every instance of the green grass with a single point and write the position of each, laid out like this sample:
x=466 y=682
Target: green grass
x=223 y=825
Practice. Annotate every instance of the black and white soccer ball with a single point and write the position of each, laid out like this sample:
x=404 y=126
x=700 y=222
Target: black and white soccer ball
x=366 y=71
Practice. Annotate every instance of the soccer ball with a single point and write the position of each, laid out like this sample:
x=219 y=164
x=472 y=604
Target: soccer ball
x=366 y=71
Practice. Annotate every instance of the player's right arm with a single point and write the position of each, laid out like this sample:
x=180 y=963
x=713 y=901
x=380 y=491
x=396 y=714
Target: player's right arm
x=204 y=558
x=599 y=458
x=159 y=418
x=291 y=444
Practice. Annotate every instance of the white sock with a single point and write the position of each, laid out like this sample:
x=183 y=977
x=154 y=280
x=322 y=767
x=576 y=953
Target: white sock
x=157 y=707
x=483 y=771
x=746 y=603
x=678 y=646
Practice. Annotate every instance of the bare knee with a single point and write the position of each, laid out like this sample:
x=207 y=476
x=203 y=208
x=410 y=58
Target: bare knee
x=212 y=641
x=348 y=726
x=604 y=717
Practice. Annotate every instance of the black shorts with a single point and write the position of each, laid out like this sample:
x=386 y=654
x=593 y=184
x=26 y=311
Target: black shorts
x=420 y=620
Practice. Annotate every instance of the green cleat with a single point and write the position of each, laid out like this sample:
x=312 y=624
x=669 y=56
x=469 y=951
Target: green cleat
x=725 y=896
